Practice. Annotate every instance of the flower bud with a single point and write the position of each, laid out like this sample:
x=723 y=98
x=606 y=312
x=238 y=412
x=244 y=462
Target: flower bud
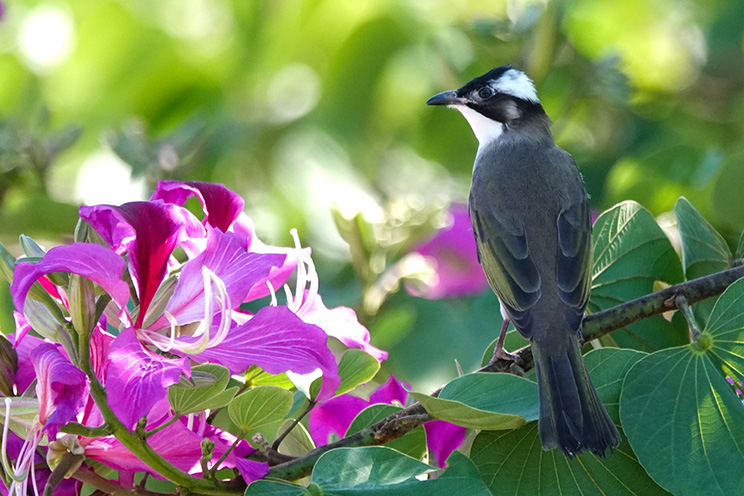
x=46 y=318
x=82 y=297
x=8 y=366
x=60 y=447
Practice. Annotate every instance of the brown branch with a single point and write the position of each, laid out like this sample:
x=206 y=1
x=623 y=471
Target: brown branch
x=594 y=325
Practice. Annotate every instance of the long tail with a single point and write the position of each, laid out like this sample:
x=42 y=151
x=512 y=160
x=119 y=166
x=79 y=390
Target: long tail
x=572 y=417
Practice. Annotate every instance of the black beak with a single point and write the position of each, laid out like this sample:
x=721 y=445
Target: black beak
x=446 y=98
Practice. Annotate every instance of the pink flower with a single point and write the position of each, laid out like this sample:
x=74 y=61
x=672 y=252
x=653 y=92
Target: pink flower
x=333 y=418
x=454 y=257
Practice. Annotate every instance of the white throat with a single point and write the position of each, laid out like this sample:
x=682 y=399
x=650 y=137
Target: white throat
x=486 y=130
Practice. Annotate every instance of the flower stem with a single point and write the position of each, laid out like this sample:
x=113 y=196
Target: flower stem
x=138 y=446
x=226 y=453
x=162 y=426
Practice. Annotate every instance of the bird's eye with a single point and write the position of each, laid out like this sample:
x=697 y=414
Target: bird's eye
x=485 y=93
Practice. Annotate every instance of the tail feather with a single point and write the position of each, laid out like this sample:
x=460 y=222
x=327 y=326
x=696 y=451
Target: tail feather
x=572 y=416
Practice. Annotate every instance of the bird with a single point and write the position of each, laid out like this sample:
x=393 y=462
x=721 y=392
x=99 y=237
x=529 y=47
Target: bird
x=532 y=226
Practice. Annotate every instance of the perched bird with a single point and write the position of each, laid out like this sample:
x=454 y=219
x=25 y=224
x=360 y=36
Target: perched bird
x=532 y=225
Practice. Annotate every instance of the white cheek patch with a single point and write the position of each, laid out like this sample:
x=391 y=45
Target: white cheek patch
x=516 y=83
x=486 y=130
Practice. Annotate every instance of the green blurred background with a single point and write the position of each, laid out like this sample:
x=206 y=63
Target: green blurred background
x=307 y=106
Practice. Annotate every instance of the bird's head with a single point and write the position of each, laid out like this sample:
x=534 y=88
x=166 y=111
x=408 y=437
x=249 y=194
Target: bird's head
x=501 y=97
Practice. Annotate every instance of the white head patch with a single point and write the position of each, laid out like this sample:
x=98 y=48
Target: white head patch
x=517 y=84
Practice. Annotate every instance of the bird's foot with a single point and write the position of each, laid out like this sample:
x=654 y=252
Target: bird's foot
x=500 y=353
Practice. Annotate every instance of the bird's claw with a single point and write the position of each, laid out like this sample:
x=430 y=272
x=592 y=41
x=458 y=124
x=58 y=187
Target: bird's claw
x=501 y=353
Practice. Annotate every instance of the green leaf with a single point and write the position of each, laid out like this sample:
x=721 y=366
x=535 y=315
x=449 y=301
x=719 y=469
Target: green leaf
x=259 y=406
x=514 y=463
x=682 y=417
x=30 y=247
x=379 y=471
x=460 y=478
x=7 y=264
x=484 y=401
x=298 y=442
x=24 y=414
x=704 y=251
x=740 y=246
x=412 y=444
x=185 y=398
x=275 y=488
x=356 y=367
x=632 y=253
x=371 y=466
x=254 y=376
x=309 y=384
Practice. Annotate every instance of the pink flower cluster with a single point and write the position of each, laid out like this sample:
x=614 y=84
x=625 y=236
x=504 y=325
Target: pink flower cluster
x=165 y=314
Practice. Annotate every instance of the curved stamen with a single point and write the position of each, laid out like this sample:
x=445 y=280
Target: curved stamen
x=207 y=339
x=273 y=302
x=307 y=279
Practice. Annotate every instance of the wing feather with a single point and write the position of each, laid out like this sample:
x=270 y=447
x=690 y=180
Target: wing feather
x=574 y=259
x=505 y=256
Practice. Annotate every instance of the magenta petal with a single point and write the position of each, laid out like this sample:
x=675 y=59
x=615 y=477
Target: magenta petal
x=148 y=232
x=22 y=327
x=393 y=390
x=442 y=438
x=454 y=253
x=139 y=378
x=334 y=416
x=100 y=346
x=94 y=262
x=175 y=443
x=67 y=487
x=276 y=340
x=220 y=205
x=251 y=471
x=222 y=442
x=342 y=324
x=278 y=276
x=25 y=375
x=224 y=256
x=61 y=387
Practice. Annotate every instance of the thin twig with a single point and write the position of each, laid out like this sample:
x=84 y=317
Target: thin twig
x=65 y=464
x=311 y=404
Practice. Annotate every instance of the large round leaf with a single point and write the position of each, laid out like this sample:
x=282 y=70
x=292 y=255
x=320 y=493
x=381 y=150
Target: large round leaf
x=682 y=417
x=704 y=251
x=356 y=367
x=514 y=463
x=259 y=406
x=412 y=444
x=379 y=471
x=185 y=399
x=484 y=401
x=632 y=253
